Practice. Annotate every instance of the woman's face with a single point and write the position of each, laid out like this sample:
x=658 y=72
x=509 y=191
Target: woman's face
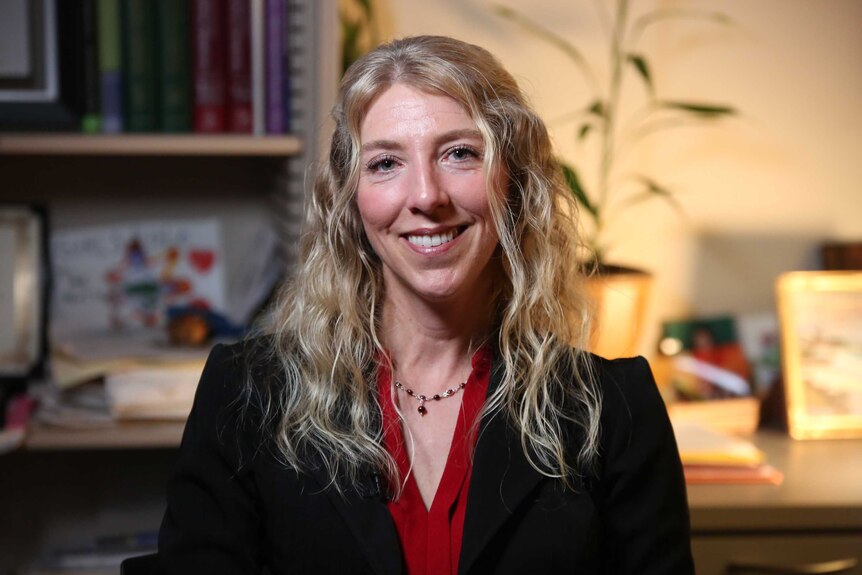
x=422 y=196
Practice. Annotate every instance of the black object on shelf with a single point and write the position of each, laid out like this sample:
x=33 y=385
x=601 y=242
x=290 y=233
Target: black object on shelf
x=64 y=59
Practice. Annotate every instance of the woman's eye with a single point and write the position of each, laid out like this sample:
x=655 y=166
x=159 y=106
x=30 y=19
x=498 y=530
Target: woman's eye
x=462 y=153
x=384 y=164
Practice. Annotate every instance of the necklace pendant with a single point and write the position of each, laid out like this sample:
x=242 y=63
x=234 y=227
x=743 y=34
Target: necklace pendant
x=422 y=411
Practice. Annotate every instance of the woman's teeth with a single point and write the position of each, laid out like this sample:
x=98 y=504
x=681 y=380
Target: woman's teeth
x=434 y=240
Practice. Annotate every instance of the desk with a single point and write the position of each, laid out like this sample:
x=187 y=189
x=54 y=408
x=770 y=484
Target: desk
x=89 y=483
x=814 y=516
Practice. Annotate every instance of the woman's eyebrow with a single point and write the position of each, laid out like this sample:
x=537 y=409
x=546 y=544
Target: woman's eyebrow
x=380 y=145
x=459 y=134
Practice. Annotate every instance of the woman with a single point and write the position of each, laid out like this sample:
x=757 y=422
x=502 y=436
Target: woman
x=419 y=407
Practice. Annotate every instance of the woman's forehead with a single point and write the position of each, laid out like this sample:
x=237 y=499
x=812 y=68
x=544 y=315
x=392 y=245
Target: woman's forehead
x=408 y=111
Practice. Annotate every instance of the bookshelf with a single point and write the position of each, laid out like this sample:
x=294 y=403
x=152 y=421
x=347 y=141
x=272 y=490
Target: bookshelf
x=122 y=435
x=150 y=145
x=67 y=486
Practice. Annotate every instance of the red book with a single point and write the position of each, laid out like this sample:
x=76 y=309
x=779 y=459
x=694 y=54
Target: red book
x=208 y=69
x=239 y=118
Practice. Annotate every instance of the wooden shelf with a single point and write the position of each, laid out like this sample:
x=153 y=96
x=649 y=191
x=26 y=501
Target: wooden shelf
x=122 y=435
x=148 y=145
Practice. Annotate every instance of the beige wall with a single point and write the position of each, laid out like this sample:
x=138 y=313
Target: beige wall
x=760 y=191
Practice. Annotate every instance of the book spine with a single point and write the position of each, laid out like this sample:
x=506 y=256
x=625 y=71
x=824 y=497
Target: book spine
x=274 y=56
x=286 y=72
x=139 y=64
x=239 y=116
x=258 y=76
x=109 y=66
x=71 y=37
x=91 y=123
x=173 y=64
x=208 y=67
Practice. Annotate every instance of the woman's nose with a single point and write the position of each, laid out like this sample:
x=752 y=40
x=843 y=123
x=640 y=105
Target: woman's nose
x=427 y=191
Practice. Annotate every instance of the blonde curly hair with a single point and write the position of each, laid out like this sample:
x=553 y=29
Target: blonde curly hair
x=326 y=322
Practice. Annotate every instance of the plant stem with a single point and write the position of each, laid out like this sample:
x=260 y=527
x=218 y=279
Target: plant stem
x=617 y=60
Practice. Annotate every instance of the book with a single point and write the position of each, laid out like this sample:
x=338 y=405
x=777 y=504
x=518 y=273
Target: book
x=110 y=72
x=139 y=65
x=710 y=456
x=91 y=357
x=71 y=37
x=239 y=115
x=153 y=393
x=700 y=445
x=91 y=123
x=173 y=65
x=258 y=66
x=208 y=66
x=276 y=56
x=732 y=474
x=737 y=415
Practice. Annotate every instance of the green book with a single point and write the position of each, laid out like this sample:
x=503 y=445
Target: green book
x=109 y=66
x=139 y=65
x=173 y=65
x=91 y=123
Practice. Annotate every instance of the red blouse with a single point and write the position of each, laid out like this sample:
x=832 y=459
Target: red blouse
x=431 y=538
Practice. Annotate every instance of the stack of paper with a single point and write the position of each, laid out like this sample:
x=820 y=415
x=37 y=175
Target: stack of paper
x=143 y=377
x=710 y=456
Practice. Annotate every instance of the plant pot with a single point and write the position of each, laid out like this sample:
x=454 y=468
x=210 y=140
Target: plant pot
x=620 y=297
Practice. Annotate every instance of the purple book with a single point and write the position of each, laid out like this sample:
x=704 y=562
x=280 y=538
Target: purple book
x=275 y=56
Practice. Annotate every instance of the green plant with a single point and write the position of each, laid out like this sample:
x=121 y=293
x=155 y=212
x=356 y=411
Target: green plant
x=614 y=192
x=358 y=31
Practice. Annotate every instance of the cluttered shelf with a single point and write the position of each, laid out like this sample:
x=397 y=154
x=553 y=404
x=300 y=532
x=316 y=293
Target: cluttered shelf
x=149 y=144
x=119 y=435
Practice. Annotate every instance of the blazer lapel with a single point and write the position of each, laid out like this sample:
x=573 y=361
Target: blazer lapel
x=364 y=511
x=500 y=480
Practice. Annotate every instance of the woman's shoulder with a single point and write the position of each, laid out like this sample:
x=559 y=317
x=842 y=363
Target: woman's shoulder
x=231 y=374
x=630 y=397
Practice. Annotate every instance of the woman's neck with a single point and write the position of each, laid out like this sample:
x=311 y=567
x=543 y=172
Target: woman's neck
x=421 y=335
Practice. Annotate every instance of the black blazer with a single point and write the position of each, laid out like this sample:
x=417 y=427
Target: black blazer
x=233 y=508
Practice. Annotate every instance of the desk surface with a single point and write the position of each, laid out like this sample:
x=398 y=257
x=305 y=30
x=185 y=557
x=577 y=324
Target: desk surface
x=822 y=490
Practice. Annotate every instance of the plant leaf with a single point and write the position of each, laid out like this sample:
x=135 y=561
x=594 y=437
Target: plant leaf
x=652 y=189
x=366 y=7
x=551 y=38
x=597 y=108
x=640 y=64
x=657 y=16
x=698 y=109
x=574 y=184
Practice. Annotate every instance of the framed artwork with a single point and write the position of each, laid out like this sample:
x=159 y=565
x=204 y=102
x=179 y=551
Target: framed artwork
x=821 y=344
x=41 y=58
x=707 y=360
x=23 y=291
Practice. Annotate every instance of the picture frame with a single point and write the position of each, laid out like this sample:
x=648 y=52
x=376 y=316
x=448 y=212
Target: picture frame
x=23 y=291
x=41 y=84
x=29 y=70
x=820 y=315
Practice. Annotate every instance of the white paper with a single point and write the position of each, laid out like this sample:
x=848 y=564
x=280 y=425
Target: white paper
x=152 y=393
x=124 y=277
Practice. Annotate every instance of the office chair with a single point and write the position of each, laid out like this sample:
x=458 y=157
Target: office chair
x=141 y=565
